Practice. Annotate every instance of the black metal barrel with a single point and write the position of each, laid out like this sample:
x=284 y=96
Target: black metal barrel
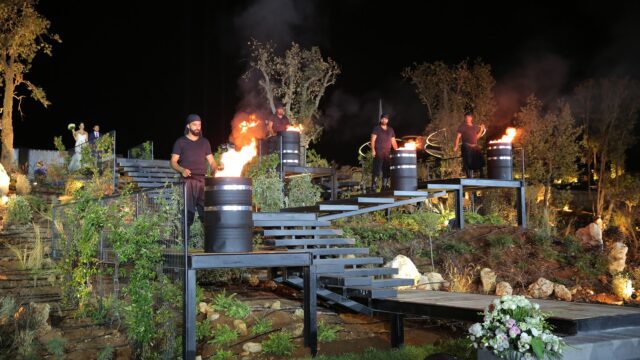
x=290 y=148
x=228 y=223
x=500 y=160
x=404 y=172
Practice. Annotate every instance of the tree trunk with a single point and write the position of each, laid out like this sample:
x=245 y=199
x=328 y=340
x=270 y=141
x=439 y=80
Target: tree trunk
x=7 y=124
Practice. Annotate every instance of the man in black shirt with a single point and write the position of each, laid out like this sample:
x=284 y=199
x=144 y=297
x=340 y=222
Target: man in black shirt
x=278 y=122
x=383 y=138
x=189 y=157
x=472 y=158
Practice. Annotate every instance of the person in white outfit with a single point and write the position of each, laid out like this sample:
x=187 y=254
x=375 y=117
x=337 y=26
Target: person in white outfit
x=81 y=137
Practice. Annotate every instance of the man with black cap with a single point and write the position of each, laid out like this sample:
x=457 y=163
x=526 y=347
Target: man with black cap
x=383 y=138
x=278 y=122
x=189 y=157
x=472 y=158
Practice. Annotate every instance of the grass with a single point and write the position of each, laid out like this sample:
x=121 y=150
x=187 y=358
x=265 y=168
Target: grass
x=230 y=306
x=224 y=335
x=457 y=247
x=31 y=260
x=500 y=241
x=461 y=348
x=280 y=343
x=261 y=326
x=327 y=332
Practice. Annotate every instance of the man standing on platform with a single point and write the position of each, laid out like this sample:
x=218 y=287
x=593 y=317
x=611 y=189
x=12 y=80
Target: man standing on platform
x=277 y=122
x=472 y=158
x=383 y=138
x=189 y=157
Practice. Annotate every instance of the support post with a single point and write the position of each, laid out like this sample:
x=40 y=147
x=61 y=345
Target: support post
x=334 y=184
x=397 y=330
x=522 y=207
x=459 y=205
x=310 y=310
x=190 y=315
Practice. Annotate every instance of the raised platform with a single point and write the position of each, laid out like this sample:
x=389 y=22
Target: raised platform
x=568 y=318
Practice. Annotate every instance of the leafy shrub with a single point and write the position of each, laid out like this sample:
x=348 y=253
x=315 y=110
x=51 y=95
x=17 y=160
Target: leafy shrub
x=316 y=160
x=203 y=330
x=37 y=203
x=55 y=347
x=280 y=343
x=267 y=192
x=261 y=326
x=224 y=335
x=106 y=353
x=222 y=355
x=500 y=241
x=475 y=218
x=230 y=306
x=18 y=210
x=23 y=186
x=327 y=333
x=457 y=247
x=302 y=192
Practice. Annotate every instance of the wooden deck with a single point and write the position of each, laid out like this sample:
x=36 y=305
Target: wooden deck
x=567 y=317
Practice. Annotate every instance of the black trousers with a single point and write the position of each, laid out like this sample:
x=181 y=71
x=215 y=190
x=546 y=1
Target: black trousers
x=472 y=159
x=195 y=198
x=381 y=165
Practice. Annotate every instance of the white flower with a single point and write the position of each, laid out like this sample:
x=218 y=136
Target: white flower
x=525 y=338
x=71 y=126
x=534 y=331
x=476 y=330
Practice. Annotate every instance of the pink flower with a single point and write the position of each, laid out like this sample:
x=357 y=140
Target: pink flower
x=514 y=331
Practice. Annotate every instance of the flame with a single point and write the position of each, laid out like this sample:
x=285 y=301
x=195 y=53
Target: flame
x=508 y=137
x=18 y=313
x=245 y=125
x=409 y=145
x=234 y=160
x=297 y=128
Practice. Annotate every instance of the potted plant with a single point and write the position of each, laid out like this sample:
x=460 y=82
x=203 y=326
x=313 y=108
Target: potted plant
x=514 y=328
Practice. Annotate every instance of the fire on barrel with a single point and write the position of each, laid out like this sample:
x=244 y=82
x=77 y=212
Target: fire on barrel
x=499 y=156
x=404 y=172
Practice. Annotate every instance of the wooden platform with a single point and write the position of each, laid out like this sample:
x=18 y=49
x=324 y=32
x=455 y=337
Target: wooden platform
x=567 y=317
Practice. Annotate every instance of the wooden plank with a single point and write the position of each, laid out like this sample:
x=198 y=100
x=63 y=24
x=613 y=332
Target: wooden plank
x=319 y=232
x=330 y=280
x=283 y=216
x=166 y=169
x=290 y=223
x=382 y=283
x=323 y=208
x=333 y=251
x=155 y=179
x=140 y=162
x=349 y=261
x=381 y=271
x=303 y=242
x=161 y=174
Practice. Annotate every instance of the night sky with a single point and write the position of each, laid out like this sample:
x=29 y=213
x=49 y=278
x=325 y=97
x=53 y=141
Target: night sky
x=140 y=67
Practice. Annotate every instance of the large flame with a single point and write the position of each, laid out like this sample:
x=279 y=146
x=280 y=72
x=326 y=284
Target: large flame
x=508 y=137
x=297 y=128
x=247 y=124
x=409 y=145
x=234 y=160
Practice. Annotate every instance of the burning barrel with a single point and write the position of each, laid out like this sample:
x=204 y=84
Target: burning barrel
x=228 y=218
x=404 y=172
x=499 y=160
x=290 y=148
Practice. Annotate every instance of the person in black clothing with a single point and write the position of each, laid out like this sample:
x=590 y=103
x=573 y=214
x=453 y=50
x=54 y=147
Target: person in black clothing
x=472 y=158
x=189 y=157
x=383 y=138
x=278 y=122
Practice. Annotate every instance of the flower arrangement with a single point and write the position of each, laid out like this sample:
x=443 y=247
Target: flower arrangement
x=514 y=328
x=71 y=126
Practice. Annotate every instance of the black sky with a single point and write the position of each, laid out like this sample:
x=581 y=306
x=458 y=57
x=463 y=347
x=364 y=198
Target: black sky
x=139 y=67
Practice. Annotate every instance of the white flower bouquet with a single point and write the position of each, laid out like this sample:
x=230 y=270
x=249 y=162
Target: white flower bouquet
x=514 y=328
x=71 y=126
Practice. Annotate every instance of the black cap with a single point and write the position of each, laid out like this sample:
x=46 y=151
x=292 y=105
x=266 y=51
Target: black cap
x=384 y=116
x=468 y=113
x=191 y=118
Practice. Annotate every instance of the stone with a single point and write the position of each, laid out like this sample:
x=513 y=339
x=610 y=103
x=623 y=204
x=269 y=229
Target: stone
x=199 y=357
x=503 y=288
x=561 y=292
x=590 y=236
x=40 y=313
x=276 y=305
x=431 y=281
x=299 y=313
x=203 y=307
x=253 y=280
x=241 y=326
x=406 y=269
x=541 y=289
x=4 y=181
x=488 y=279
x=213 y=316
x=298 y=330
x=252 y=347
x=617 y=258
x=622 y=287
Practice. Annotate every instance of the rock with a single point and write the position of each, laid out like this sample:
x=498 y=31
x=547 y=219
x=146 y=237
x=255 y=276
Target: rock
x=252 y=347
x=4 y=181
x=203 y=307
x=622 y=287
x=561 y=292
x=406 y=269
x=199 y=357
x=431 y=281
x=503 y=288
x=241 y=326
x=213 y=316
x=488 y=279
x=276 y=305
x=617 y=258
x=590 y=236
x=253 y=280
x=299 y=313
x=298 y=330
x=40 y=313
x=540 y=289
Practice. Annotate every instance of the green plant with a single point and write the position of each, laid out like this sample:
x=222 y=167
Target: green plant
x=18 y=210
x=457 y=247
x=316 y=160
x=31 y=260
x=223 y=355
x=327 y=332
x=261 y=326
x=23 y=186
x=224 y=335
x=203 y=329
x=106 y=353
x=55 y=347
x=267 y=192
x=279 y=343
x=230 y=306
x=302 y=192
x=37 y=204
x=500 y=241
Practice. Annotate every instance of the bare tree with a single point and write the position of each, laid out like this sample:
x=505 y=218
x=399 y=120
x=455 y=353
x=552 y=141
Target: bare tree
x=608 y=109
x=23 y=34
x=298 y=79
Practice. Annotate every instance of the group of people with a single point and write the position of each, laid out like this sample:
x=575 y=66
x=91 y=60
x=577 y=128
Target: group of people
x=82 y=138
x=191 y=153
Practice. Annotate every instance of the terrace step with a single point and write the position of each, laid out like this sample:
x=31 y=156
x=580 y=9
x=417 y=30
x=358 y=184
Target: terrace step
x=333 y=251
x=279 y=216
x=290 y=223
x=380 y=271
x=318 y=232
x=349 y=261
x=323 y=208
x=308 y=242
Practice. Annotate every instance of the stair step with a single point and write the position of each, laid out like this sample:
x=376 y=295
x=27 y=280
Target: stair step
x=142 y=163
x=157 y=169
x=361 y=200
x=310 y=232
x=291 y=223
x=324 y=208
x=349 y=261
x=333 y=280
x=386 y=283
x=303 y=242
x=153 y=174
x=381 y=271
x=278 y=216
x=369 y=292
x=334 y=251
x=332 y=297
